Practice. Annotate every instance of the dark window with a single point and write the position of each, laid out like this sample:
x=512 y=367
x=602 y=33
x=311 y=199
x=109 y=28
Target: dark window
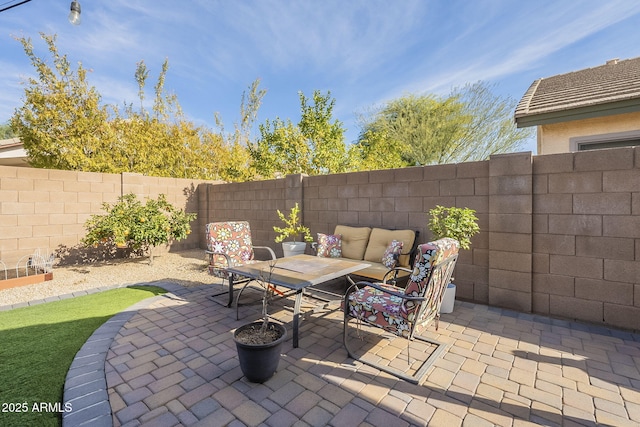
x=607 y=144
x=607 y=140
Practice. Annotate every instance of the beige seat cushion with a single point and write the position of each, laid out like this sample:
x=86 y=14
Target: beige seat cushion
x=354 y=241
x=375 y=273
x=381 y=238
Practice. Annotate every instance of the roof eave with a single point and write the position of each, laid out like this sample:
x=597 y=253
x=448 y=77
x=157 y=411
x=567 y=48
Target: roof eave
x=588 y=112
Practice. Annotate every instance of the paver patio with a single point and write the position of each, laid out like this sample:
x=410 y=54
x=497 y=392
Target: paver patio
x=174 y=362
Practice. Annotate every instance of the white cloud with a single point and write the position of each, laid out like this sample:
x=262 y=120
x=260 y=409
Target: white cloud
x=512 y=47
x=115 y=91
x=11 y=90
x=338 y=38
x=364 y=51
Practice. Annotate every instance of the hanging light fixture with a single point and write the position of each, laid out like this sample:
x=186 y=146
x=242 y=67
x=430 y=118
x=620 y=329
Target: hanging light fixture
x=74 y=15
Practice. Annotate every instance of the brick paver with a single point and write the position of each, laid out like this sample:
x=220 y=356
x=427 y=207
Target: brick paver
x=173 y=362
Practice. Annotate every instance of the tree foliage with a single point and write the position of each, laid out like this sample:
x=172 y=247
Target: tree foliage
x=280 y=150
x=62 y=124
x=314 y=146
x=293 y=226
x=375 y=150
x=470 y=124
x=323 y=134
x=234 y=156
x=401 y=128
x=138 y=226
x=160 y=141
x=460 y=224
x=490 y=128
x=6 y=132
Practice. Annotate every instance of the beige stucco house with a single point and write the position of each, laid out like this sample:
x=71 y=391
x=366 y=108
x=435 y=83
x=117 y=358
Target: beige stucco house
x=583 y=110
x=12 y=153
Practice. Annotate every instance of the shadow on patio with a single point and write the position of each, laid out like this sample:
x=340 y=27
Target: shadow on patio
x=175 y=363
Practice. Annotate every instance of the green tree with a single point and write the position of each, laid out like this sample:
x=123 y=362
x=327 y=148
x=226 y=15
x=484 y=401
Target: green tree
x=314 y=146
x=160 y=142
x=490 y=129
x=214 y=157
x=6 y=132
x=324 y=135
x=61 y=124
x=280 y=150
x=140 y=227
x=249 y=106
x=470 y=124
x=234 y=157
x=375 y=150
x=419 y=128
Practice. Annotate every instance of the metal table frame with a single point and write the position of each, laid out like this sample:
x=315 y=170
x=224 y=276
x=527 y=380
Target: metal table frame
x=295 y=273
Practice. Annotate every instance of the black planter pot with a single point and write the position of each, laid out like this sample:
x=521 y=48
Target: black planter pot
x=259 y=361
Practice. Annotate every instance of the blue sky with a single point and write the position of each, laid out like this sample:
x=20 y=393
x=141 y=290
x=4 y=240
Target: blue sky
x=365 y=52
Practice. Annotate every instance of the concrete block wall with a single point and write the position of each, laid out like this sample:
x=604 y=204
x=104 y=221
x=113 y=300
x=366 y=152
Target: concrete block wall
x=560 y=234
x=256 y=202
x=393 y=199
x=400 y=199
x=586 y=236
x=510 y=227
x=46 y=209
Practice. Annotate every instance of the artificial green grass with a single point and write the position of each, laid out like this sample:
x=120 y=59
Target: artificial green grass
x=38 y=344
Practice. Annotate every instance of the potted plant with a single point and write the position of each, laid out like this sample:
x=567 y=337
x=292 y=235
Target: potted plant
x=293 y=228
x=259 y=343
x=460 y=224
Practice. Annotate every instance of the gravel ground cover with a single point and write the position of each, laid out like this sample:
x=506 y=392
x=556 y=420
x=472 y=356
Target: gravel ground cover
x=187 y=268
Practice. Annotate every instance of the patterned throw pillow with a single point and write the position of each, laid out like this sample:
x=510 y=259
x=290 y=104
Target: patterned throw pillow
x=329 y=245
x=391 y=254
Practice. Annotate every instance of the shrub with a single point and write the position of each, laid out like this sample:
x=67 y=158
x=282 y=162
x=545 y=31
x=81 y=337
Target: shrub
x=294 y=227
x=458 y=223
x=129 y=223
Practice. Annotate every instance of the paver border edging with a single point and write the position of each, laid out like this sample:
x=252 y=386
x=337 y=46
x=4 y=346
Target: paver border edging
x=85 y=387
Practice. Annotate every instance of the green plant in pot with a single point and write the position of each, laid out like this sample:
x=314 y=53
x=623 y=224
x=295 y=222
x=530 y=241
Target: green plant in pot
x=259 y=343
x=457 y=223
x=293 y=229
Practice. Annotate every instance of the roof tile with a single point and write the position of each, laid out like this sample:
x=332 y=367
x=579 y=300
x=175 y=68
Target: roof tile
x=612 y=82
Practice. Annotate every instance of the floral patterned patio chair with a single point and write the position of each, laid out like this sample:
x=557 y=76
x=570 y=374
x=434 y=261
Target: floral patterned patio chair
x=405 y=312
x=229 y=244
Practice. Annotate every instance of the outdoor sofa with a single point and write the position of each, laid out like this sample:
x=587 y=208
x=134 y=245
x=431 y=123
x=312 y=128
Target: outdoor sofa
x=384 y=250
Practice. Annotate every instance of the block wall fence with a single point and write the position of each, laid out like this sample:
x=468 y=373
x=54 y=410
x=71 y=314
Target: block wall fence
x=560 y=234
x=46 y=209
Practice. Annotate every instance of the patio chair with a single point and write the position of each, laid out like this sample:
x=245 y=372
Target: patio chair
x=405 y=312
x=229 y=244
